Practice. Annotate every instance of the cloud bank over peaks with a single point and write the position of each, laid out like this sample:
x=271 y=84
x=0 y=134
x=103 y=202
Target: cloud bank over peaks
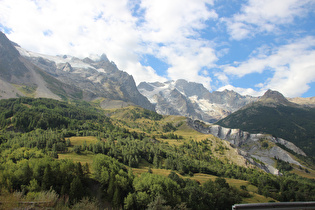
x=292 y=66
x=171 y=33
x=216 y=43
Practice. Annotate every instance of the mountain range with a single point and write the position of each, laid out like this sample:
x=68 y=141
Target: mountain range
x=192 y=100
x=25 y=73
x=98 y=80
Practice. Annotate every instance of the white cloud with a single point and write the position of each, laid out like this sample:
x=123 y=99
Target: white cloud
x=168 y=21
x=293 y=67
x=265 y=16
x=81 y=28
x=174 y=26
x=127 y=30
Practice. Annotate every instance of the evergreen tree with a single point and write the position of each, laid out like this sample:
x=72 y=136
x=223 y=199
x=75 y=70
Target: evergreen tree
x=76 y=189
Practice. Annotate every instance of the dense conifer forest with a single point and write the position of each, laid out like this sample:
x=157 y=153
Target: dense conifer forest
x=35 y=133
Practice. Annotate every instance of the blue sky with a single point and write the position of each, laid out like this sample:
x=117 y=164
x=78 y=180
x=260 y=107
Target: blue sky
x=247 y=46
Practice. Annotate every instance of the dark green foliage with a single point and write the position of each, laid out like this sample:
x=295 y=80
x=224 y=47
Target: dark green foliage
x=114 y=177
x=171 y=136
x=76 y=189
x=138 y=113
x=27 y=114
x=148 y=186
x=26 y=162
x=290 y=123
x=33 y=171
x=283 y=166
x=168 y=127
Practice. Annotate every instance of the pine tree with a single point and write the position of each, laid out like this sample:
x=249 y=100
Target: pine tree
x=47 y=179
x=76 y=189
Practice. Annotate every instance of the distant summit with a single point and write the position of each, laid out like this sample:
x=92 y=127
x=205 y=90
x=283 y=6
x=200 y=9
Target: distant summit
x=192 y=100
x=274 y=114
x=272 y=97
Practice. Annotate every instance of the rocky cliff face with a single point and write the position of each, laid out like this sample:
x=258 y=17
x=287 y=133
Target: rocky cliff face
x=192 y=100
x=253 y=147
x=19 y=77
x=96 y=78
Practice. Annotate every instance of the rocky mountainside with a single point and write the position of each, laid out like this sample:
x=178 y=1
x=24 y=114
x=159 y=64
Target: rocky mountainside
x=192 y=100
x=97 y=78
x=24 y=73
x=274 y=114
x=307 y=102
x=261 y=147
x=19 y=77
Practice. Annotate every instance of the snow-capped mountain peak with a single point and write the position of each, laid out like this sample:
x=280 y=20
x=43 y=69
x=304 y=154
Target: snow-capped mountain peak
x=192 y=100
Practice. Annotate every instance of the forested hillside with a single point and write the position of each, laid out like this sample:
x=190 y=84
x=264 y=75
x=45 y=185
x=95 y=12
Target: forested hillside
x=37 y=134
x=291 y=123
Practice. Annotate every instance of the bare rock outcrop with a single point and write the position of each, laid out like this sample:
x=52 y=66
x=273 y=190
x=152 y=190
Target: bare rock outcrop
x=259 y=149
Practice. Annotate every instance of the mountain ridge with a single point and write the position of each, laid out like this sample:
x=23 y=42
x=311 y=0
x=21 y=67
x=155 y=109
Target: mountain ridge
x=98 y=79
x=275 y=115
x=24 y=73
x=192 y=100
x=19 y=77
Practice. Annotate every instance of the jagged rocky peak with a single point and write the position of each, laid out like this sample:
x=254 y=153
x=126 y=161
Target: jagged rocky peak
x=145 y=86
x=104 y=58
x=191 y=88
x=88 y=60
x=67 y=67
x=201 y=104
x=95 y=76
x=274 y=97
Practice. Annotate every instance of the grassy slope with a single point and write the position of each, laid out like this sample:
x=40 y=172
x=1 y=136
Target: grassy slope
x=143 y=125
x=123 y=117
x=87 y=157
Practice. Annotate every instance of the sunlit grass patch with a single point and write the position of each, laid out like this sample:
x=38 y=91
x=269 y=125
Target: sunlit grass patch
x=79 y=140
x=310 y=174
x=83 y=157
x=256 y=198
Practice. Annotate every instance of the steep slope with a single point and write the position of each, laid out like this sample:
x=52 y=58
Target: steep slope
x=97 y=78
x=262 y=147
x=192 y=100
x=274 y=114
x=19 y=77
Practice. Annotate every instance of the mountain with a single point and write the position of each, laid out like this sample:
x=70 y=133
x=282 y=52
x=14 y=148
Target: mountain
x=24 y=73
x=192 y=100
x=19 y=77
x=307 y=102
x=274 y=114
x=262 y=150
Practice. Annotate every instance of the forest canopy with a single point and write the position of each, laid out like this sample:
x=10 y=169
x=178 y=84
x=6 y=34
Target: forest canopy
x=35 y=132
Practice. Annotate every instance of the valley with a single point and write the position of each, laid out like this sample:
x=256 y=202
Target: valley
x=118 y=149
x=78 y=133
